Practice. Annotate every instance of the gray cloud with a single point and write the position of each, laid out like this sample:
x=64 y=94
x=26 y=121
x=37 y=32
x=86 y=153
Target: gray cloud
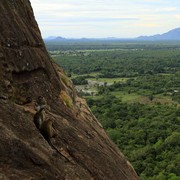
x=86 y=19
x=106 y=17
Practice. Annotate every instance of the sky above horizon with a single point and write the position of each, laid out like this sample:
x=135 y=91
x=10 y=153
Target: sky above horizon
x=106 y=18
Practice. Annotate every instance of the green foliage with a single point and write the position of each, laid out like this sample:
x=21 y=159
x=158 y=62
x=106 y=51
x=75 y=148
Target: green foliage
x=150 y=84
x=64 y=79
x=68 y=103
x=147 y=135
x=80 y=80
x=113 y=64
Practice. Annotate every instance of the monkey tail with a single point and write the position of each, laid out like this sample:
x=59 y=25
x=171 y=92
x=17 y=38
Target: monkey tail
x=53 y=147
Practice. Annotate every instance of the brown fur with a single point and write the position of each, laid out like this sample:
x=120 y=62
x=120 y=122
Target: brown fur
x=39 y=118
x=47 y=129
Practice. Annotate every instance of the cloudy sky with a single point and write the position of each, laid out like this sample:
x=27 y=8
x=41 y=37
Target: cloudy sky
x=106 y=18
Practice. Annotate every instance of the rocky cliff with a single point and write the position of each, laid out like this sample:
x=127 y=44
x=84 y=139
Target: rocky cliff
x=26 y=72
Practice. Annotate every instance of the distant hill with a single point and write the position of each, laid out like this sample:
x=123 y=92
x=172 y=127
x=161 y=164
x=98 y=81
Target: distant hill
x=55 y=38
x=172 y=35
x=62 y=39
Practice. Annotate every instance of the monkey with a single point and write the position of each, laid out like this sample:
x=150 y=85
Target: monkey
x=47 y=131
x=41 y=103
x=39 y=118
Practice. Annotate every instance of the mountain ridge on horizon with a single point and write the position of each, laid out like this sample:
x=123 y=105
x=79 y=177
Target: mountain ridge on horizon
x=173 y=34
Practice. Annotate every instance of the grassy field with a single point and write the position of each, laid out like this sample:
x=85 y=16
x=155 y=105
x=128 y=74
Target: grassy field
x=109 y=80
x=126 y=97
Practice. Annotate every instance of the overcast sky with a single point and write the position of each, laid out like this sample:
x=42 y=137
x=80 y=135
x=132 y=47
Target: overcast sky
x=106 y=18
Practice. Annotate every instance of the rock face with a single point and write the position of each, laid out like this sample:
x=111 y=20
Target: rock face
x=83 y=150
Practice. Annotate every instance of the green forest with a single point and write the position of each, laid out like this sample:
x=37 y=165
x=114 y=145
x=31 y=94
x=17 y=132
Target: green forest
x=133 y=88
